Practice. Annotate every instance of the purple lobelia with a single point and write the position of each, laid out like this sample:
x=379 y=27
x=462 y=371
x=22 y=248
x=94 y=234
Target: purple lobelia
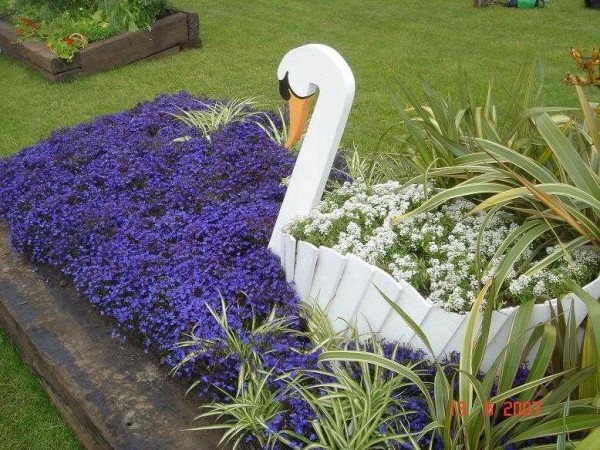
x=152 y=227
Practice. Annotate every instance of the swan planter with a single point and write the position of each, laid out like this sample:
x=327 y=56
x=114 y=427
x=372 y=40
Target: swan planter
x=345 y=286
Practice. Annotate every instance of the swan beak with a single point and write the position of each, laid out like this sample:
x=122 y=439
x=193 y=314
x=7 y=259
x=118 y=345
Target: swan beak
x=299 y=110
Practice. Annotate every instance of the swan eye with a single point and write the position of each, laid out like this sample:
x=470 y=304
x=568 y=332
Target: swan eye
x=284 y=87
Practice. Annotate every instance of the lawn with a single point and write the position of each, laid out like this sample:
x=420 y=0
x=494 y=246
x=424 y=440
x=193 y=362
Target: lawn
x=28 y=420
x=383 y=41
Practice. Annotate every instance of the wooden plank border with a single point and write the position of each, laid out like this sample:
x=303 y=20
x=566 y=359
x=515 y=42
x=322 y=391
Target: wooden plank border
x=170 y=34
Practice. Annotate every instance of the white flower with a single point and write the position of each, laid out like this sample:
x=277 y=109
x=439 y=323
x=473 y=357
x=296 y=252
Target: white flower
x=447 y=240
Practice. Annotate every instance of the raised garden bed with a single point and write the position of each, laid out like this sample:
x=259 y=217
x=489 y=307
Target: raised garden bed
x=169 y=35
x=111 y=394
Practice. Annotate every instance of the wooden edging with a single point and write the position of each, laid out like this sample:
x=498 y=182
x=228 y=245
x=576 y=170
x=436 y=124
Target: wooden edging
x=168 y=35
x=110 y=393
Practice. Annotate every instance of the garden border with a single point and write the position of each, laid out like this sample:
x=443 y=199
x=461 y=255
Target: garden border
x=110 y=393
x=168 y=35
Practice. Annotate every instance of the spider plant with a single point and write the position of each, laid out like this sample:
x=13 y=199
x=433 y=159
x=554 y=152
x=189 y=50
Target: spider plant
x=213 y=117
x=234 y=343
x=255 y=403
x=482 y=426
x=356 y=406
x=249 y=411
x=278 y=134
x=353 y=410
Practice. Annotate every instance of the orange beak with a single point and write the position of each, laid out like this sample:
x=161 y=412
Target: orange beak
x=299 y=110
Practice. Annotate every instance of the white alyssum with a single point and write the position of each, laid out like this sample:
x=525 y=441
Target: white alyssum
x=434 y=251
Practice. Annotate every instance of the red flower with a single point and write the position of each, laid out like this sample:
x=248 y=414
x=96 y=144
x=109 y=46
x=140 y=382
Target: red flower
x=29 y=23
x=19 y=31
x=69 y=40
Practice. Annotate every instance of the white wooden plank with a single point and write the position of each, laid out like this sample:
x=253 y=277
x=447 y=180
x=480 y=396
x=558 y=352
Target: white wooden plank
x=330 y=266
x=413 y=303
x=306 y=261
x=289 y=256
x=502 y=321
x=540 y=314
x=373 y=311
x=593 y=289
x=439 y=326
x=455 y=342
x=350 y=292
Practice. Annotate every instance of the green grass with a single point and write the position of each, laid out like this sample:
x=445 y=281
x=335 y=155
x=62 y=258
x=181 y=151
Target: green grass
x=28 y=420
x=383 y=41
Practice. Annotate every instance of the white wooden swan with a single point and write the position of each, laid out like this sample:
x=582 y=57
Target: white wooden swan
x=345 y=286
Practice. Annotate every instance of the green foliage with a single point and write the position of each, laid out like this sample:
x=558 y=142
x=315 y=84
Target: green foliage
x=213 y=117
x=255 y=402
x=592 y=442
x=480 y=426
x=275 y=133
x=440 y=132
x=352 y=411
x=247 y=412
x=132 y=14
x=68 y=26
x=246 y=349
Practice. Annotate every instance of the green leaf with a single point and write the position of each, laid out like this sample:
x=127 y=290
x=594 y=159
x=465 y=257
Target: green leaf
x=568 y=157
x=592 y=442
x=568 y=424
x=516 y=341
x=542 y=359
x=448 y=194
x=526 y=164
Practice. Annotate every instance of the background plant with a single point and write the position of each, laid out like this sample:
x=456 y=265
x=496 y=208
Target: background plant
x=550 y=179
x=211 y=117
x=590 y=64
x=132 y=14
x=440 y=131
x=67 y=26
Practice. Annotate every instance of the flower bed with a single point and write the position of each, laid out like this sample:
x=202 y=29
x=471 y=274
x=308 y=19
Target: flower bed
x=155 y=222
x=65 y=41
x=152 y=229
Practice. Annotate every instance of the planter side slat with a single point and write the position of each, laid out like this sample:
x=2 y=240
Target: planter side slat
x=354 y=298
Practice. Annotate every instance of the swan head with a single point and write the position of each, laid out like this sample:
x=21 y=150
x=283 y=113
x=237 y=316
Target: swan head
x=303 y=70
